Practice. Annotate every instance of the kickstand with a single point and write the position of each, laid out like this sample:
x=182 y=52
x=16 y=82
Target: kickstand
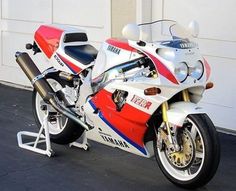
x=40 y=137
x=83 y=145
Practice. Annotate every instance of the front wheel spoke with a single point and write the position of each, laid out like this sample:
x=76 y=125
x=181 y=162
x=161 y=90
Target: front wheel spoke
x=193 y=132
x=199 y=155
x=187 y=172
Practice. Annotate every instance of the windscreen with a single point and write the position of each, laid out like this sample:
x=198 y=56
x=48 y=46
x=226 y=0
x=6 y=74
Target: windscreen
x=168 y=32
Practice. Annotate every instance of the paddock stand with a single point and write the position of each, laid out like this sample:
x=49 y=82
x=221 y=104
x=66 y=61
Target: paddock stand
x=45 y=137
x=84 y=145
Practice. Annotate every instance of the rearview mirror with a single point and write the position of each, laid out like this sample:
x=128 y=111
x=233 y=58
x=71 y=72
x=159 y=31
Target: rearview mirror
x=131 y=32
x=193 y=28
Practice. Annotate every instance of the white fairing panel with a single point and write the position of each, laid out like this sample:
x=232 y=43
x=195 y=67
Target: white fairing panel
x=110 y=56
x=105 y=134
x=180 y=110
x=99 y=65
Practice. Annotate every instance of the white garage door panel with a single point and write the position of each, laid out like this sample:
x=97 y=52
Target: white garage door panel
x=89 y=13
x=19 y=26
x=225 y=49
x=27 y=10
x=13 y=75
x=222 y=116
x=9 y=47
x=9 y=70
x=223 y=73
x=216 y=18
x=219 y=102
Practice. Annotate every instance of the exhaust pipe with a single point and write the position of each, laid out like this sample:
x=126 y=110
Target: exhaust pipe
x=43 y=88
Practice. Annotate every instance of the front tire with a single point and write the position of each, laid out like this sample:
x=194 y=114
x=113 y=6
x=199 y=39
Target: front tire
x=206 y=155
x=62 y=130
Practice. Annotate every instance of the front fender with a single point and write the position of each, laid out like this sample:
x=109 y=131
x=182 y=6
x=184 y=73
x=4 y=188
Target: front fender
x=180 y=110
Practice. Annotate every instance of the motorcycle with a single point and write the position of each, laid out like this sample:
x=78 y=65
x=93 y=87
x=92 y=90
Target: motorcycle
x=140 y=94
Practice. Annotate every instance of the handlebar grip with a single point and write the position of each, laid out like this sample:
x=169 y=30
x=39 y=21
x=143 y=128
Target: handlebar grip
x=127 y=68
x=138 y=63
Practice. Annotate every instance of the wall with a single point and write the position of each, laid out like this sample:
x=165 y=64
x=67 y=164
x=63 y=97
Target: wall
x=123 y=12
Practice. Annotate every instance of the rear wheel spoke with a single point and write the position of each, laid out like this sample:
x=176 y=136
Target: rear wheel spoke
x=59 y=122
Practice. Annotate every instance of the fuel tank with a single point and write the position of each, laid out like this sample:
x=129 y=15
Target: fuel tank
x=113 y=52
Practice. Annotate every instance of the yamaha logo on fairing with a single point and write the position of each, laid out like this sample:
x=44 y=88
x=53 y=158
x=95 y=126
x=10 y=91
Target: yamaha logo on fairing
x=115 y=142
x=187 y=45
x=113 y=49
x=58 y=60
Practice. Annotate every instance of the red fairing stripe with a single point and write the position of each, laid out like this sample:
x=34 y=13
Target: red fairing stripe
x=120 y=44
x=162 y=69
x=130 y=121
x=48 y=39
x=72 y=66
x=208 y=69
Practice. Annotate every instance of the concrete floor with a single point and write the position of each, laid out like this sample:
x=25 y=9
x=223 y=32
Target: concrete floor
x=101 y=168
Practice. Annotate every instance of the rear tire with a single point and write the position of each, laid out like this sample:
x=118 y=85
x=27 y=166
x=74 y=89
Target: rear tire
x=207 y=163
x=64 y=130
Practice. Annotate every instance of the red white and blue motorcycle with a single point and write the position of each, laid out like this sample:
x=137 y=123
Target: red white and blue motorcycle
x=139 y=94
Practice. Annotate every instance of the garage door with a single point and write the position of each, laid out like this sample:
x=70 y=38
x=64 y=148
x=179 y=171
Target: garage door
x=19 y=20
x=217 y=43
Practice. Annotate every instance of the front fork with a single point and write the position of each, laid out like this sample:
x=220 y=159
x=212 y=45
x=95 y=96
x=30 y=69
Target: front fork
x=172 y=136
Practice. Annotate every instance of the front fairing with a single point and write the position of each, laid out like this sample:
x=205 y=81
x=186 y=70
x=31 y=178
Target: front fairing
x=167 y=44
x=166 y=59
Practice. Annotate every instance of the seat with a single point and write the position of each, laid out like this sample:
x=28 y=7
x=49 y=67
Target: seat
x=85 y=54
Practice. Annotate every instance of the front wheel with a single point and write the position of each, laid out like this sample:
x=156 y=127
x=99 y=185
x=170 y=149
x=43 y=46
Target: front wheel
x=196 y=163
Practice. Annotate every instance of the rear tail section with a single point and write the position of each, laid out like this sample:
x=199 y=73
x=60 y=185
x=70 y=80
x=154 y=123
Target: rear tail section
x=43 y=88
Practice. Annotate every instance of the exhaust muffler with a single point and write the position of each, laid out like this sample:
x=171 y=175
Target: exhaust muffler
x=32 y=72
x=43 y=88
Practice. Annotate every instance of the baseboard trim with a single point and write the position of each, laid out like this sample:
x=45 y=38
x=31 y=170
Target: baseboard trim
x=226 y=131
x=18 y=86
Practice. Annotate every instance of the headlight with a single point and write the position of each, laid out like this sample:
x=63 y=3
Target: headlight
x=196 y=72
x=181 y=71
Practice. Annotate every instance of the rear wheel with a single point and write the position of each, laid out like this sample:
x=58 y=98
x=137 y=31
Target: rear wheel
x=61 y=129
x=198 y=160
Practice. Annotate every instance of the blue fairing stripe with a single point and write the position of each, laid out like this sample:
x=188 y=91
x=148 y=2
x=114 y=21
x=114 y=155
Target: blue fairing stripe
x=141 y=149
